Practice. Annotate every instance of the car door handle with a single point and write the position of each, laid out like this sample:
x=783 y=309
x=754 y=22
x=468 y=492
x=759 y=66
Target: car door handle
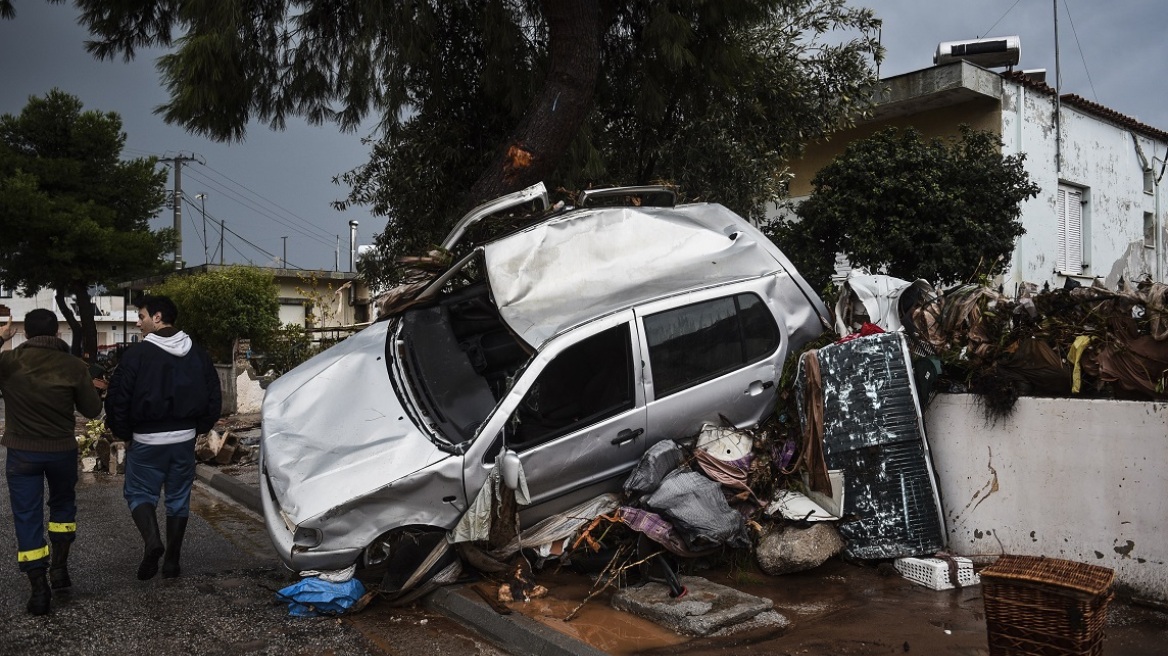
x=757 y=387
x=627 y=435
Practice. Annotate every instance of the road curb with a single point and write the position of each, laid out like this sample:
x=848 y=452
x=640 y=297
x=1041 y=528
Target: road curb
x=516 y=632
x=243 y=494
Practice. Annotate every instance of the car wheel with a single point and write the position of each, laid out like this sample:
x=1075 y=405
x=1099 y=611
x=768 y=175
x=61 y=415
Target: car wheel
x=391 y=559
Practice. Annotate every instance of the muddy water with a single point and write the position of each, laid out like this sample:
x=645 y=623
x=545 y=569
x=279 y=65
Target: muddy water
x=597 y=623
x=838 y=609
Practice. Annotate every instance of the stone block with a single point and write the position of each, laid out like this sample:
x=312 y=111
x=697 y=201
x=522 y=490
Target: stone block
x=706 y=608
x=786 y=549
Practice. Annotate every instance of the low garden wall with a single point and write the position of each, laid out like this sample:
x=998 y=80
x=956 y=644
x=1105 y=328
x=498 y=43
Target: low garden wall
x=1081 y=479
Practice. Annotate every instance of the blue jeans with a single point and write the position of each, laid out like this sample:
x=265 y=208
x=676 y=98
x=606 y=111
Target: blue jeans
x=151 y=467
x=27 y=472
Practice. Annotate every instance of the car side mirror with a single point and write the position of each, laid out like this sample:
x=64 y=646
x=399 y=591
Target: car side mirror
x=509 y=464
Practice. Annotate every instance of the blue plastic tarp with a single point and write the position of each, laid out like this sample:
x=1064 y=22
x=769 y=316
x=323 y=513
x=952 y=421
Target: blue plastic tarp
x=313 y=597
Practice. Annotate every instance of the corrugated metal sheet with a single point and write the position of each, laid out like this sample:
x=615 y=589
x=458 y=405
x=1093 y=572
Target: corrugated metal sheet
x=874 y=433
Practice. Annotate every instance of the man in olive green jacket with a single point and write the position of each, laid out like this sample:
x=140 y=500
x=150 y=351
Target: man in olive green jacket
x=42 y=385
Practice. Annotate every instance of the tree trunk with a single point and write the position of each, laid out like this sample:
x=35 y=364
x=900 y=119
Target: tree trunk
x=556 y=113
x=88 y=323
x=84 y=329
x=71 y=319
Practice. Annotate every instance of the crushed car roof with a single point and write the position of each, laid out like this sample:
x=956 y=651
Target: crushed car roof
x=589 y=263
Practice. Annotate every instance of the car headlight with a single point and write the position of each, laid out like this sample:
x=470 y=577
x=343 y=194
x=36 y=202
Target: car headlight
x=306 y=538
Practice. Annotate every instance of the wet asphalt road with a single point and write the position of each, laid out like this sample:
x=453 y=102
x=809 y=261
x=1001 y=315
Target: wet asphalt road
x=222 y=604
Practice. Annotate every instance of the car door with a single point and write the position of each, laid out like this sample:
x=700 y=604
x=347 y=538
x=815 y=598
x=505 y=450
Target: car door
x=579 y=421
x=711 y=355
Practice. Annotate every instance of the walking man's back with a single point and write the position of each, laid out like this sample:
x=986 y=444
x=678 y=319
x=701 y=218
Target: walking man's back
x=42 y=385
x=163 y=394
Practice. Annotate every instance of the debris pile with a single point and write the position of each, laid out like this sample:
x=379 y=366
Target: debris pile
x=1080 y=341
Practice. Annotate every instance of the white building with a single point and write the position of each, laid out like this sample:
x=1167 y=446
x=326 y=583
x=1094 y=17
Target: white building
x=1101 y=210
x=114 y=323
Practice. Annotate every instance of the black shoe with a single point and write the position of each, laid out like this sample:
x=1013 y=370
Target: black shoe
x=59 y=566
x=176 y=527
x=42 y=594
x=152 y=548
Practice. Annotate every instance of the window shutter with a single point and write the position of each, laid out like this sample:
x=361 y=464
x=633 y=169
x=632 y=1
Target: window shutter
x=1070 y=230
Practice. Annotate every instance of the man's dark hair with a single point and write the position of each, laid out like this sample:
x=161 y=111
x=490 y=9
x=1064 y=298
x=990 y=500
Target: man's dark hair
x=160 y=304
x=39 y=323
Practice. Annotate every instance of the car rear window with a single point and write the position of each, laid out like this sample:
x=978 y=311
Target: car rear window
x=695 y=343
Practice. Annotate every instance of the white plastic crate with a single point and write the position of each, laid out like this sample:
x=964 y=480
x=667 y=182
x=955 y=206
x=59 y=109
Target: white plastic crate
x=934 y=572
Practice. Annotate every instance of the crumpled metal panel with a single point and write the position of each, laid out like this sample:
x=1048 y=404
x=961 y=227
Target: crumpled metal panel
x=333 y=429
x=589 y=263
x=874 y=432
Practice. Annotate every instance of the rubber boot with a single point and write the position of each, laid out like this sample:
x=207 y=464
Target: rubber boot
x=176 y=527
x=152 y=548
x=59 y=566
x=42 y=594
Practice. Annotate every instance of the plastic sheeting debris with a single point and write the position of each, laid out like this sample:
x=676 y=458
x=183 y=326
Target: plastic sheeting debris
x=658 y=461
x=314 y=597
x=698 y=510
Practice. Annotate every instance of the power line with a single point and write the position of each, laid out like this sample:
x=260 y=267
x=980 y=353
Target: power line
x=299 y=219
x=238 y=198
x=1003 y=16
x=1080 y=47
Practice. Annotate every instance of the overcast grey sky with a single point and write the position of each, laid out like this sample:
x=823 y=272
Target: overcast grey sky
x=279 y=184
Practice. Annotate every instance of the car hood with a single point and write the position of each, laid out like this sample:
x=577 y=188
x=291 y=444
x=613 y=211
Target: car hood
x=334 y=429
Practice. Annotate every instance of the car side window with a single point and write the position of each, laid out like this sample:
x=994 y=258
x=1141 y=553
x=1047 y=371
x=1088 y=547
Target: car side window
x=695 y=343
x=586 y=383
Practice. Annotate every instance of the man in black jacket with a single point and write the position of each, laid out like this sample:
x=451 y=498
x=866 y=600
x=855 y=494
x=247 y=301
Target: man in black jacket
x=163 y=393
x=42 y=384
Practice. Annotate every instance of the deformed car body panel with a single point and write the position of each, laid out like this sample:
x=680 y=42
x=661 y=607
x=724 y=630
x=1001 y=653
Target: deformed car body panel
x=589 y=263
x=334 y=431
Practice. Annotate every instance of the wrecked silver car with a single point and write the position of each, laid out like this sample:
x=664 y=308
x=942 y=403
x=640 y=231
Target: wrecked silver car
x=577 y=342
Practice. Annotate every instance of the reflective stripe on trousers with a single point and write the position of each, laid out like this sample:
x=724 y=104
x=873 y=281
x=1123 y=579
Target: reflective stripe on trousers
x=27 y=472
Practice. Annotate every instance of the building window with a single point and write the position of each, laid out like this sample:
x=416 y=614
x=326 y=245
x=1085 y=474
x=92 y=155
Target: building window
x=5 y=292
x=1070 y=230
x=1149 y=230
x=1149 y=181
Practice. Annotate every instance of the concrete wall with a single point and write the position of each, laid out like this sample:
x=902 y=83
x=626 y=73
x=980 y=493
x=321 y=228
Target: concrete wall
x=1078 y=479
x=980 y=113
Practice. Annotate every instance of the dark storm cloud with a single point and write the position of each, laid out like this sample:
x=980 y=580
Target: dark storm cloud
x=274 y=184
x=1120 y=44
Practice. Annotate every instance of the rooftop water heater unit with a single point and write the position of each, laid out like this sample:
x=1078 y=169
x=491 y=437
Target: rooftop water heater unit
x=993 y=52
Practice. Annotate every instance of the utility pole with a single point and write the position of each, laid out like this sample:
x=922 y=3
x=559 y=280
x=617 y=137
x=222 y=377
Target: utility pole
x=203 y=204
x=222 y=229
x=178 y=161
x=337 y=255
x=284 y=262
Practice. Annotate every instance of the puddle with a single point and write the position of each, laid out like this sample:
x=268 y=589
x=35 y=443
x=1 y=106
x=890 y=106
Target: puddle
x=597 y=623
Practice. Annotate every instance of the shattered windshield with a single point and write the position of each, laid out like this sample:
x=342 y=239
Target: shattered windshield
x=459 y=357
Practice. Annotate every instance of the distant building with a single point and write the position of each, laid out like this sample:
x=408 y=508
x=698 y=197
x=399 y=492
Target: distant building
x=114 y=323
x=1101 y=211
x=309 y=297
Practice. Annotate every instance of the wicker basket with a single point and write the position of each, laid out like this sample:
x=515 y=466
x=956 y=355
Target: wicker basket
x=1045 y=606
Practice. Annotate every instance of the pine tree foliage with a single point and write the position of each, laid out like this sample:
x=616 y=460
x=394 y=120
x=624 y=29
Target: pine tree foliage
x=475 y=98
x=73 y=214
